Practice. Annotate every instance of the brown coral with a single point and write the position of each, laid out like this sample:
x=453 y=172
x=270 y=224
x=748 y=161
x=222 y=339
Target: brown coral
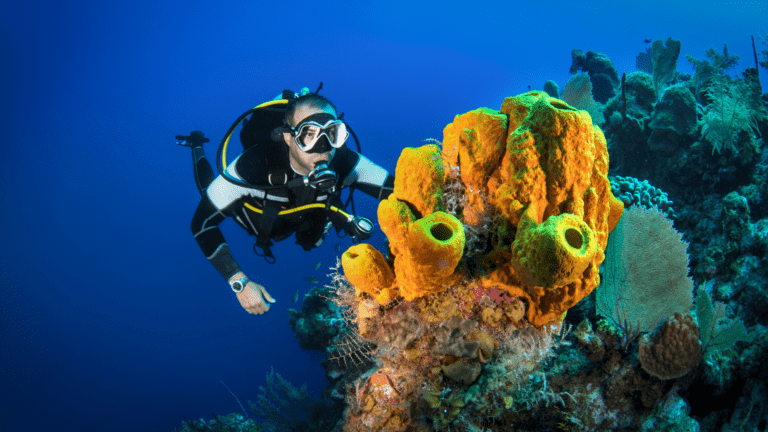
x=674 y=350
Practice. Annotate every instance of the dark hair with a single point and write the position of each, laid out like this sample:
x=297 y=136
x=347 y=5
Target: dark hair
x=309 y=99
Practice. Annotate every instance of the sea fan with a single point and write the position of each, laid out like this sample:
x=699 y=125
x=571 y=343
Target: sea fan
x=578 y=94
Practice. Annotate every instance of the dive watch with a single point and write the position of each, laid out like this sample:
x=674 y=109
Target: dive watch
x=238 y=284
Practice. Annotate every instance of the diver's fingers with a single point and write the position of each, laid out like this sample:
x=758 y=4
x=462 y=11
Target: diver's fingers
x=266 y=295
x=257 y=304
x=257 y=308
x=261 y=304
x=252 y=301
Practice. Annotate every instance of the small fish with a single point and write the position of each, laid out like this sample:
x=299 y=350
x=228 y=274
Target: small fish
x=311 y=279
x=337 y=247
x=296 y=296
x=317 y=266
x=529 y=86
x=647 y=40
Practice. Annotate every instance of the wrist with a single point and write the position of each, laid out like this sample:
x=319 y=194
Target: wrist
x=236 y=276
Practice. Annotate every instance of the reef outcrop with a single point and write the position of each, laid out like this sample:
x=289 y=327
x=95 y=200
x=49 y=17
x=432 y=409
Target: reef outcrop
x=493 y=235
x=536 y=171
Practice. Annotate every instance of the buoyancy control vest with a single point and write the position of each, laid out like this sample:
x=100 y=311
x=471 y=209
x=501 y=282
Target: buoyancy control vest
x=294 y=200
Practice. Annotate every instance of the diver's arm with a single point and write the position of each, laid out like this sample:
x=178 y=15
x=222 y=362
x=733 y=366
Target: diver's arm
x=370 y=178
x=219 y=199
x=205 y=228
x=254 y=298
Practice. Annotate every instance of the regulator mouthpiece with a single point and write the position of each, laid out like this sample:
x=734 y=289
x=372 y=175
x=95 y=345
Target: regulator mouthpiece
x=322 y=178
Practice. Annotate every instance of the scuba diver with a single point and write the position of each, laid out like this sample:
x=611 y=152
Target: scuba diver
x=287 y=180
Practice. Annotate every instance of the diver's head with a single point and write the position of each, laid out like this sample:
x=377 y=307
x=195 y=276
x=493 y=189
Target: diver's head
x=312 y=132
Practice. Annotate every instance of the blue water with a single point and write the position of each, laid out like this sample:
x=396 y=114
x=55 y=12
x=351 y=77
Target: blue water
x=111 y=318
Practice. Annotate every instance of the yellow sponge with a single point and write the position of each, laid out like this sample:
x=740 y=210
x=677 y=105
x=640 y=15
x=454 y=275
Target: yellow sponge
x=434 y=247
x=553 y=253
x=367 y=270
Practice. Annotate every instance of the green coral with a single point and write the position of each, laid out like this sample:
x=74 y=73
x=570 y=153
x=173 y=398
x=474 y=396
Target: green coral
x=665 y=56
x=728 y=114
x=706 y=71
x=723 y=61
x=716 y=331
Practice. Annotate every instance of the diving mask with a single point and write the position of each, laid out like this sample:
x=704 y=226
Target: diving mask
x=309 y=132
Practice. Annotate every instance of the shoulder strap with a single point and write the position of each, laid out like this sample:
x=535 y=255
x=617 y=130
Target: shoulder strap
x=266 y=222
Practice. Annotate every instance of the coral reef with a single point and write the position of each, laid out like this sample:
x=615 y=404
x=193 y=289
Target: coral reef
x=491 y=240
x=716 y=175
x=281 y=407
x=228 y=423
x=602 y=73
x=481 y=342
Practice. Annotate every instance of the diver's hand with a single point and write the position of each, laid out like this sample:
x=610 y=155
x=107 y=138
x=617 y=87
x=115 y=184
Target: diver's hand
x=254 y=298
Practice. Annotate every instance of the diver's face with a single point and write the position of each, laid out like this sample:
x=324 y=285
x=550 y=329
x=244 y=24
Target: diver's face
x=301 y=161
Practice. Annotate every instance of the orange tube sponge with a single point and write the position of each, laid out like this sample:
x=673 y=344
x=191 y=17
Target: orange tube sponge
x=366 y=269
x=426 y=242
x=554 y=164
x=530 y=184
x=419 y=179
x=433 y=247
x=475 y=142
x=553 y=253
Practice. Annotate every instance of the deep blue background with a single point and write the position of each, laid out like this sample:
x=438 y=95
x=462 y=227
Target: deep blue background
x=111 y=318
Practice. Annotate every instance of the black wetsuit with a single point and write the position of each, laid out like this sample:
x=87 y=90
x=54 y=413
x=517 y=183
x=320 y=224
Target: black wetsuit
x=222 y=199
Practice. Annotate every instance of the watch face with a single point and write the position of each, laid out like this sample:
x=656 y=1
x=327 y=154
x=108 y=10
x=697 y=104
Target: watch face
x=237 y=286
